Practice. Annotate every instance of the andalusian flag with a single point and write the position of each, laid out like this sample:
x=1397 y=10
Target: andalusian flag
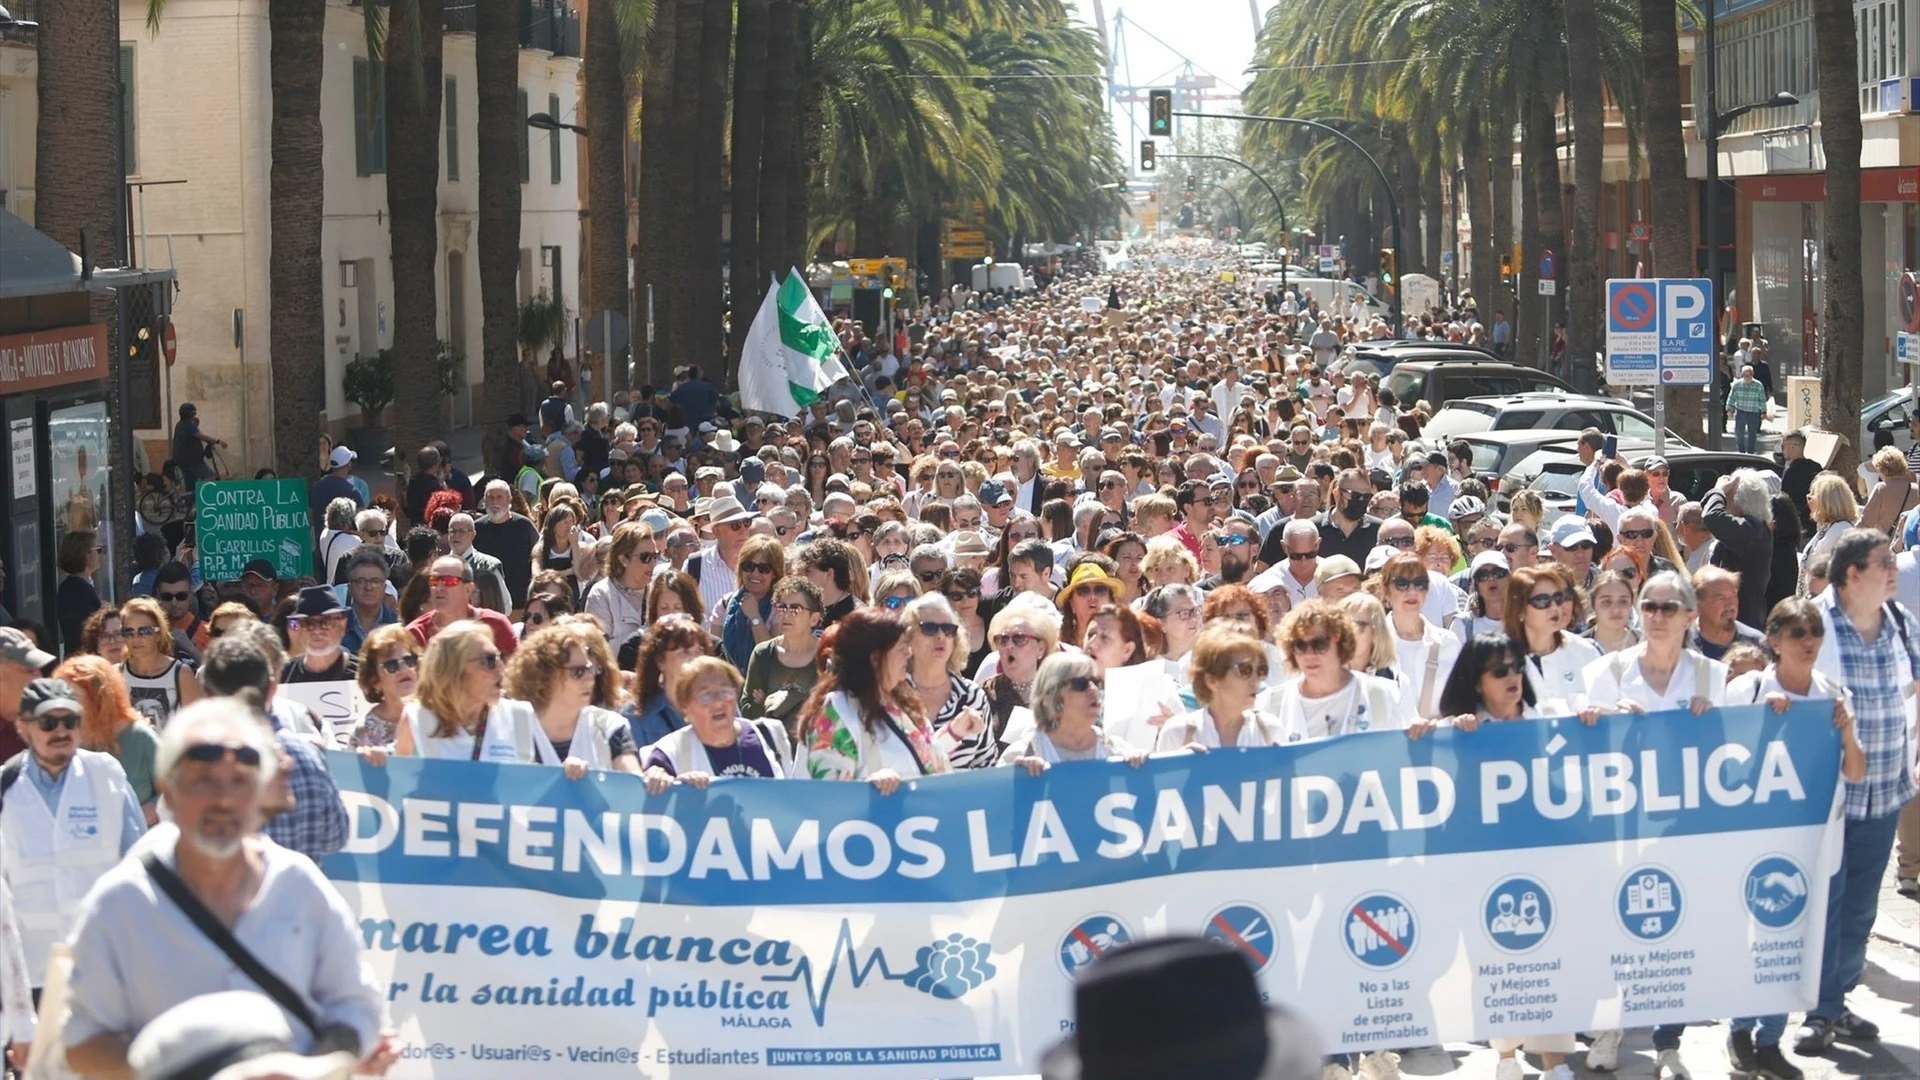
x=791 y=355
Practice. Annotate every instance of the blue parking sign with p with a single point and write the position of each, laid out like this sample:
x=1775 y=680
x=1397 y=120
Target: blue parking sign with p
x=1686 y=331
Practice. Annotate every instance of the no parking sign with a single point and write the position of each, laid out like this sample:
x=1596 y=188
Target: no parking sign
x=1659 y=330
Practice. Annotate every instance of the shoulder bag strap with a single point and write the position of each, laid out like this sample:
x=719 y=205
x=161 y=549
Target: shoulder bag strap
x=904 y=741
x=197 y=913
x=1426 y=687
x=479 y=738
x=1702 y=668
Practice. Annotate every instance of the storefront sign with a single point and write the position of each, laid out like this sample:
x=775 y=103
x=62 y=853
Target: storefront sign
x=21 y=440
x=52 y=358
x=243 y=520
x=1521 y=879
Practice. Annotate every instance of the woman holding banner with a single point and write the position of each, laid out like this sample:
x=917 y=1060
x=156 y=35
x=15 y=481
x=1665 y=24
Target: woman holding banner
x=1067 y=698
x=716 y=741
x=862 y=721
x=1228 y=668
x=1424 y=653
x=939 y=648
x=552 y=672
x=1025 y=632
x=388 y=673
x=1537 y=616
x=1329 y=699
x=457 y=712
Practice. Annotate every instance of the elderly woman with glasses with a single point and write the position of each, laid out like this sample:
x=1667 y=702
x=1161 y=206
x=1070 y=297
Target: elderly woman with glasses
x=1179 y=609
x=1023 y=634
x=388 y=674
x=1228 y=670
x=1068 y=692
x=457 y=712
x=1660 y=672
x=938 y=647
x=1540 y=609
x=1329 y=698
x=716 y=741
x=553 y=672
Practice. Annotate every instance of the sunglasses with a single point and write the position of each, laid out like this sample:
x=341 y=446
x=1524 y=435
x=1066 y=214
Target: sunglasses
x=895 y=603
x=1636 y=534
x=1503 y=669
x=1543 y=601
x=1661 y=607
x=1110 y=485
x=208 y=753
x=783 y=608
x=928 y=576
x=1013 y=639
x=489 y=660
x=172 y=597
x=1302 y=556
x=939 y=629
x=70 y=721
x=1233 y=540
x=1584 y=545
x=957 y=595
x=1080 y=684
x=1401 y=542
x=392 y=664
x=1404 y=583
x=1313 y=646
x=1508 y=549
x=1247 y=669
x=756 y=567
x=1016 y=537
x=1800 y=632
x=1492 y=573
x=446 y=581
x=646 y=558
x=141 y=631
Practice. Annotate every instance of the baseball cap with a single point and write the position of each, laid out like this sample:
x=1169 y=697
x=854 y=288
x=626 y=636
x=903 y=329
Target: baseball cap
x=17 y=648
x=993 y=493
x=1486 y=559
x=43 y=696
x=261 y=568
x=533 y=452
x=1571 y=530
x=339 y=456
x=1335 y=566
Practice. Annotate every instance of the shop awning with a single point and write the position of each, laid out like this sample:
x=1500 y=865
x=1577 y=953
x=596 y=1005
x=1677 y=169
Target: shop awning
x=33 y=263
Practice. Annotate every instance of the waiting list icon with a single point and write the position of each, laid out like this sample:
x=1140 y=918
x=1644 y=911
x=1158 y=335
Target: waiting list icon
x=1652 y=894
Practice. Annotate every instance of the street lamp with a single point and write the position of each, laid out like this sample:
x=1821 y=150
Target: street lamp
x=1717 y=122
x=546 y=122
x=8 y=22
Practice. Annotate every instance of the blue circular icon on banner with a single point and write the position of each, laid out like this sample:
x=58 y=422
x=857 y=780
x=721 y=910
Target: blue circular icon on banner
x=1089 y=940
x=1650 y=903
x=1776 y=892
x=1245 y=928
x=1519 y=914
x=1379 y=930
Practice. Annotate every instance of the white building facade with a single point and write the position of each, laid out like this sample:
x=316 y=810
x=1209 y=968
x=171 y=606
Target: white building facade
x=200 y=108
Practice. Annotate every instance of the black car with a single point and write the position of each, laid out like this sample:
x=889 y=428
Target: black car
x=1381 y=357
x=1438 y=381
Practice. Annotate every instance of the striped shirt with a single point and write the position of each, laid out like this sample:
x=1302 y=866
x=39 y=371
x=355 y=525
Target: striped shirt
x=1878 y=672
x=1747 y=395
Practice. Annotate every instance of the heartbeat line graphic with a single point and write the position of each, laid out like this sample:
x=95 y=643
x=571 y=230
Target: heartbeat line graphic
x=858 y=970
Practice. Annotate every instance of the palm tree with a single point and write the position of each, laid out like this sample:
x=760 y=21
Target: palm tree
x=502 y=130
x=777 y=142
x=656 y=209
x=611 y=25
x=1671 y=192
x=1843 y=317
x=706 y=336
x=1585 y=103
x=413 y=49
x=682 y=188
x=749 y=132
x=297 y=338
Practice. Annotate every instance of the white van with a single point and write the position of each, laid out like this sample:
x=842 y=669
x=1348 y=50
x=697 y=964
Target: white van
x=1326 y=290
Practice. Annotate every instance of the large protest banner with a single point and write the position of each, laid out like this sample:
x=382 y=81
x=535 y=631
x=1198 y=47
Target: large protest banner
x=1523 y=878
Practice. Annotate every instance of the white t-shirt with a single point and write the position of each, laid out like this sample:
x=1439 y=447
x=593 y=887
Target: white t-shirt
x=1616 y=679
x=1366 y=703
x=1757 y=686
x=1410 y=664
x=1259 y=729
x=1561 y=674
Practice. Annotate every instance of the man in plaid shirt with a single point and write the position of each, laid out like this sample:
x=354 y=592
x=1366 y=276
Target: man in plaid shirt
x=1747 y=401
x=1872 y=646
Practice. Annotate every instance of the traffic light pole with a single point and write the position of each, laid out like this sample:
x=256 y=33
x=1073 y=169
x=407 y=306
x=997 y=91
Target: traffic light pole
x=1277 y=204
x=1393 y=204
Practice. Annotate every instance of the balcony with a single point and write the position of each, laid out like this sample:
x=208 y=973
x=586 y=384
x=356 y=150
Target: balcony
x=549 y=25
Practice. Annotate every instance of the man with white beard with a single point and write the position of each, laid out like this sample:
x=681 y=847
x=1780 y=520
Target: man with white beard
x=207 y=898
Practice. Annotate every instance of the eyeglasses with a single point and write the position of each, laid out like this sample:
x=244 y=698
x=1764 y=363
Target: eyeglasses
x=756 y=567
x=783 y=608
x=1636 y=534
x=317 y=622
x=1419 y=584
x=1401 y=542
x=207 y=753
x=582 y=672
x=141 y=631
x=861 y=459
x=1543 y=601
x=112 y=635
x=1302 y=556
x=1508 y=549
x=1313 y=646
x=1080 y=684
x=446 y=581
x=1013 y=639
x=1660 y=607
x=939 y=629
x=392 y=664
x=172 y=597
x=895 y=603
x=1491 y=573
x=957 y=595
x=1502 y=669
x=1248 y=669
x=1799 y=631
x=928 y=577
x=1232 y=540
x=646 y=558
x=489 y=660
x=70 y=721
x=714 y=695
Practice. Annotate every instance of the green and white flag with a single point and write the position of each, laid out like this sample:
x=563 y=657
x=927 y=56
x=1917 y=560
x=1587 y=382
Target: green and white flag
x=791 y=355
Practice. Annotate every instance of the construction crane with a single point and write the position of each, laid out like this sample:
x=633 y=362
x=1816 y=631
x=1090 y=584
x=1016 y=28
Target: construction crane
x=1192 y=85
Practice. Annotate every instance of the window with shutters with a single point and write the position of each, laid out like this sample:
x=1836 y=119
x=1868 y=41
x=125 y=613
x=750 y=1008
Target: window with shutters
x=526 y=140
x=450 y=104
x=369 y=117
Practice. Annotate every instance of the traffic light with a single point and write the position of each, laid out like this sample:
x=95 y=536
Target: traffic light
x=1160 y=112
x=1146 y=155
x=1506 y=269
x=1389 y=275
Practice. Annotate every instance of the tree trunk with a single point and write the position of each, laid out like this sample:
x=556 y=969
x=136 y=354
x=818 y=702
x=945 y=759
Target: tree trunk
x=77 y=167
x=1529 y=335
x=683 y=180
x=656 y=207
x=776 y=144
x=1485 y=264
x=606 y=149
x=1585 y=101
x=747 y=282
x=297 y=331
x=1670 y=194
x=1433 y=231
x=1552 y=235
x=1500 y=163
x=413 y=92
x=1406 y=189
x=706 y=334
x=805 y=150
x=497 y=71
x=1843 y=314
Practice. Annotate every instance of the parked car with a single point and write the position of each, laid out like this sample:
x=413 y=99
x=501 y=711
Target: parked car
x=1439 y=381
x=1554 y=471
x=1567 y=412
x=1381 y=357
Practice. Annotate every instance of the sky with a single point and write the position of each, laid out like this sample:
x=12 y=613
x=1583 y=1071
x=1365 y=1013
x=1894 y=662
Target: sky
x=1216 y=35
